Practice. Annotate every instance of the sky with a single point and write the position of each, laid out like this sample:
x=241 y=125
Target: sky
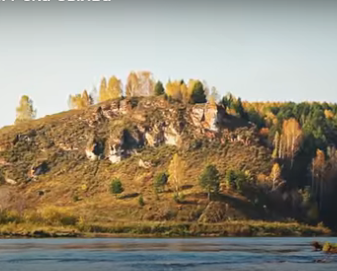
x=260 y=50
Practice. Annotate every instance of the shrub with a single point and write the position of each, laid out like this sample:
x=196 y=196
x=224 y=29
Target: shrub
x=116 y=187
x=141 y=201
x=160 y=181
x=178 y=197
x=210 y=180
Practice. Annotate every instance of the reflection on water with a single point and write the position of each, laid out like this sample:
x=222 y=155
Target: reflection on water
x=164 y=254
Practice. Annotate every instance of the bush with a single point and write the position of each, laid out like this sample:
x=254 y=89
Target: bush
x=116 y=187
x=178 y=197
x=141 y=201
x=160 y=181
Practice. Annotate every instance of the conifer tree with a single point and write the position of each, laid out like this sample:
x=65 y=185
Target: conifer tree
x=159 y=89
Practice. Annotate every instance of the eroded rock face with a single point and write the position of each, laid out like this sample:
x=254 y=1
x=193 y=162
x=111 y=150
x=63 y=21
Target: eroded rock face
x=116 y=151
x=39 y=169
x=207 y=116
x=211 y=117
x=172 y=137
x=94 y=150
x=155 y=122
x=10 y=181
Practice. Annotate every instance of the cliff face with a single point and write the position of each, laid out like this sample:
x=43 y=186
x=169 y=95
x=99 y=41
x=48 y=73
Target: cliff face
x=77 y=153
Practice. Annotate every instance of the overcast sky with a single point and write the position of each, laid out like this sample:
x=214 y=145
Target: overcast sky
x=259 y=50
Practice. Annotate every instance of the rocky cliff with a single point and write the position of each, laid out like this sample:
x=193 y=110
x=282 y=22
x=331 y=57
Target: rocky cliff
x=69 y=159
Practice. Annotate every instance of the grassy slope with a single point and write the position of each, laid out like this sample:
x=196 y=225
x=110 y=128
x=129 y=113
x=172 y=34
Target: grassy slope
x=79 y=188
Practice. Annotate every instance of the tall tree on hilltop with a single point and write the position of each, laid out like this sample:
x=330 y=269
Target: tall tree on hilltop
x=25 y=110
x=132 y=85
x=239 y=109
x=79 y=101
x=198 y=93
x=173 y=90
x=213 y=96
x=114 y=89
x=102 y=90
x=159 y=89
x=140 y=84
x=145 y=84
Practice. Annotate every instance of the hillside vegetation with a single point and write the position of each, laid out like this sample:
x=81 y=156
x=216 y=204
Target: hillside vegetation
x=171 y=164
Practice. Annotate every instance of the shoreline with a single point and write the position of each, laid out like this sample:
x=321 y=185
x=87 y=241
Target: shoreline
x=166 y=230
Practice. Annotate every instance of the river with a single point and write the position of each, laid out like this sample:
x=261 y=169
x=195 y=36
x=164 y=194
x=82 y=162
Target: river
x=208 y=254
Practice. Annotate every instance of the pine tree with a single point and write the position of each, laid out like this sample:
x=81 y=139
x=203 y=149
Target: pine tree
x=159 y=89
x=198 y=93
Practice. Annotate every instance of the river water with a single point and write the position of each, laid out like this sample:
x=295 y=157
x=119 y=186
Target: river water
x=209 y=254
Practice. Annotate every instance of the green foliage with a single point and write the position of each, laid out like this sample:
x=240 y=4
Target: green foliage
x=160 y=181
x=178 y=197
x=159 y=89
x=239 y=109
x=141 y=201
x=210 y=180
x=198 y=93
x=116 y=187
x=235 y=179
x=25 y=110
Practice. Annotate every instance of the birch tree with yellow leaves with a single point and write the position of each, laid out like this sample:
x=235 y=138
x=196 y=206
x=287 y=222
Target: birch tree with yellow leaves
x=275 y=174
x=176 y=170
x=102 y=90
x=25 y=111
x=111 y=91
x=79 y=101
x=140 y=84
x=291 y=138
x=131 y=85
x=317 y=173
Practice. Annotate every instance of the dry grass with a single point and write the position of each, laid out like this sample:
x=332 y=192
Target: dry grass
x=75 y=191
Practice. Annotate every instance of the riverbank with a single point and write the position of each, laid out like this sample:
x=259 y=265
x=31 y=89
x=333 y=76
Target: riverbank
x=165 y=229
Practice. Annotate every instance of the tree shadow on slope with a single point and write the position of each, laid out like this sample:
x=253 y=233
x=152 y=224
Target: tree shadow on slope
x=247 y=209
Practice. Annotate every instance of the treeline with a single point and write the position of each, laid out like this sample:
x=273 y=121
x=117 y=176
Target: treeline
x=143 y=84
x=304 y=138
x=139 y=84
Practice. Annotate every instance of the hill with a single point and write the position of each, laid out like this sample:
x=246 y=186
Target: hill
x=56 y=173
